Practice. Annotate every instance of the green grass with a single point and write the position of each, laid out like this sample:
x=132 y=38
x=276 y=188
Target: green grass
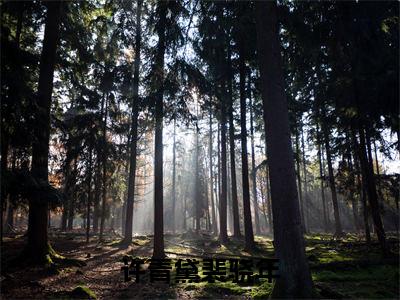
x=83 y=292
x=345 y=268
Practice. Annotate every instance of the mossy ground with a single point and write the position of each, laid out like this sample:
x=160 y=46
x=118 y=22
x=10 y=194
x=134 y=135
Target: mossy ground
x=345 y=268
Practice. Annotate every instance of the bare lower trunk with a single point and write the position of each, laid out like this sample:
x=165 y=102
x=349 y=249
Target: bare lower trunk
x=253 y=164
x=248 y=225
x=338 y=224
x=299 y=185
x=223 y=195
x=306 y=199
x=213 y=215
x=370 y=186
x=362 y=189
x=173 y=180
x=104 y=172
x=322 y=186
x=235 y=205
x=89 y=196
x=97 y=189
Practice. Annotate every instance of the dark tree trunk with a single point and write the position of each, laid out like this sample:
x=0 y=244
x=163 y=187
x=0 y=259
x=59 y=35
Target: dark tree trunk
x=104 y=171
x=361 y=187
x=234 y=197
x=368 y=177
x=248 y=225
x=134 y=130
x=268 y=201
x=223 y=233
x=295 y=278
x=322 y=186
x=228 y=192
x=71 y=196
x=306 y=199
x=214 y=219
x=265 y=207
x=9 y=225
x=198 y=198
x=89 y=192
x=173 y=180
x=352 y=180
x=12 y=197
x=253 y=164
x=338 y=224
x=4 y=145
x=37 y=227
x=97 y=189
x=158 y=251
x=299 y=185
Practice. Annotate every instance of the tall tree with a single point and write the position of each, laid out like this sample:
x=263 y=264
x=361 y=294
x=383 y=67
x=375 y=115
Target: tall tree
x=253 y=162
x=105 y=103
x=235 y=205
x=158 y=250
x=210 y=148
x=134 y=128
x=38 y=205
x=89 y=192
x=331 y=176
x=173 y=178
x=295 y=280
x=248 y=226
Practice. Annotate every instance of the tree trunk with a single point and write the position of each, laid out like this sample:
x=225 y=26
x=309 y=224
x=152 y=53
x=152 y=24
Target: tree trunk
x=234 y=197
x=158 y=251
x=9 y=225
x=104 y=171
x=134 y=130
x=89 y=197
x=72 y=196
x=295 y=278
x=299 y=185
x=214 y=220
x=248 y=225
x=361 y=186
x=223 y=174
x=198 y=198
x=4 y=145
x=306 y=199
x=173 y=179
x=338 y=224
x=97 y=189
x=253 y=163
x=322 y=186
x=268 y=201
x=264 y=210
x=370 y=186
x=218 y=165
x=12 y=197
x=37 y=224
x=352 y=180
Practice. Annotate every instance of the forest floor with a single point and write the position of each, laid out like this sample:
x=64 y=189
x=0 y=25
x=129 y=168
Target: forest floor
x=345 y=268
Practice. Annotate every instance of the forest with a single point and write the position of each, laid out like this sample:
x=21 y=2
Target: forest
x=170 y=139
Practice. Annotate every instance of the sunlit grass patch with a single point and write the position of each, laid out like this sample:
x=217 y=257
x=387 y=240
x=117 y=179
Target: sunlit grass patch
x=367 y=282
x=376 y=273
x=262 y=291
x=114 y=242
